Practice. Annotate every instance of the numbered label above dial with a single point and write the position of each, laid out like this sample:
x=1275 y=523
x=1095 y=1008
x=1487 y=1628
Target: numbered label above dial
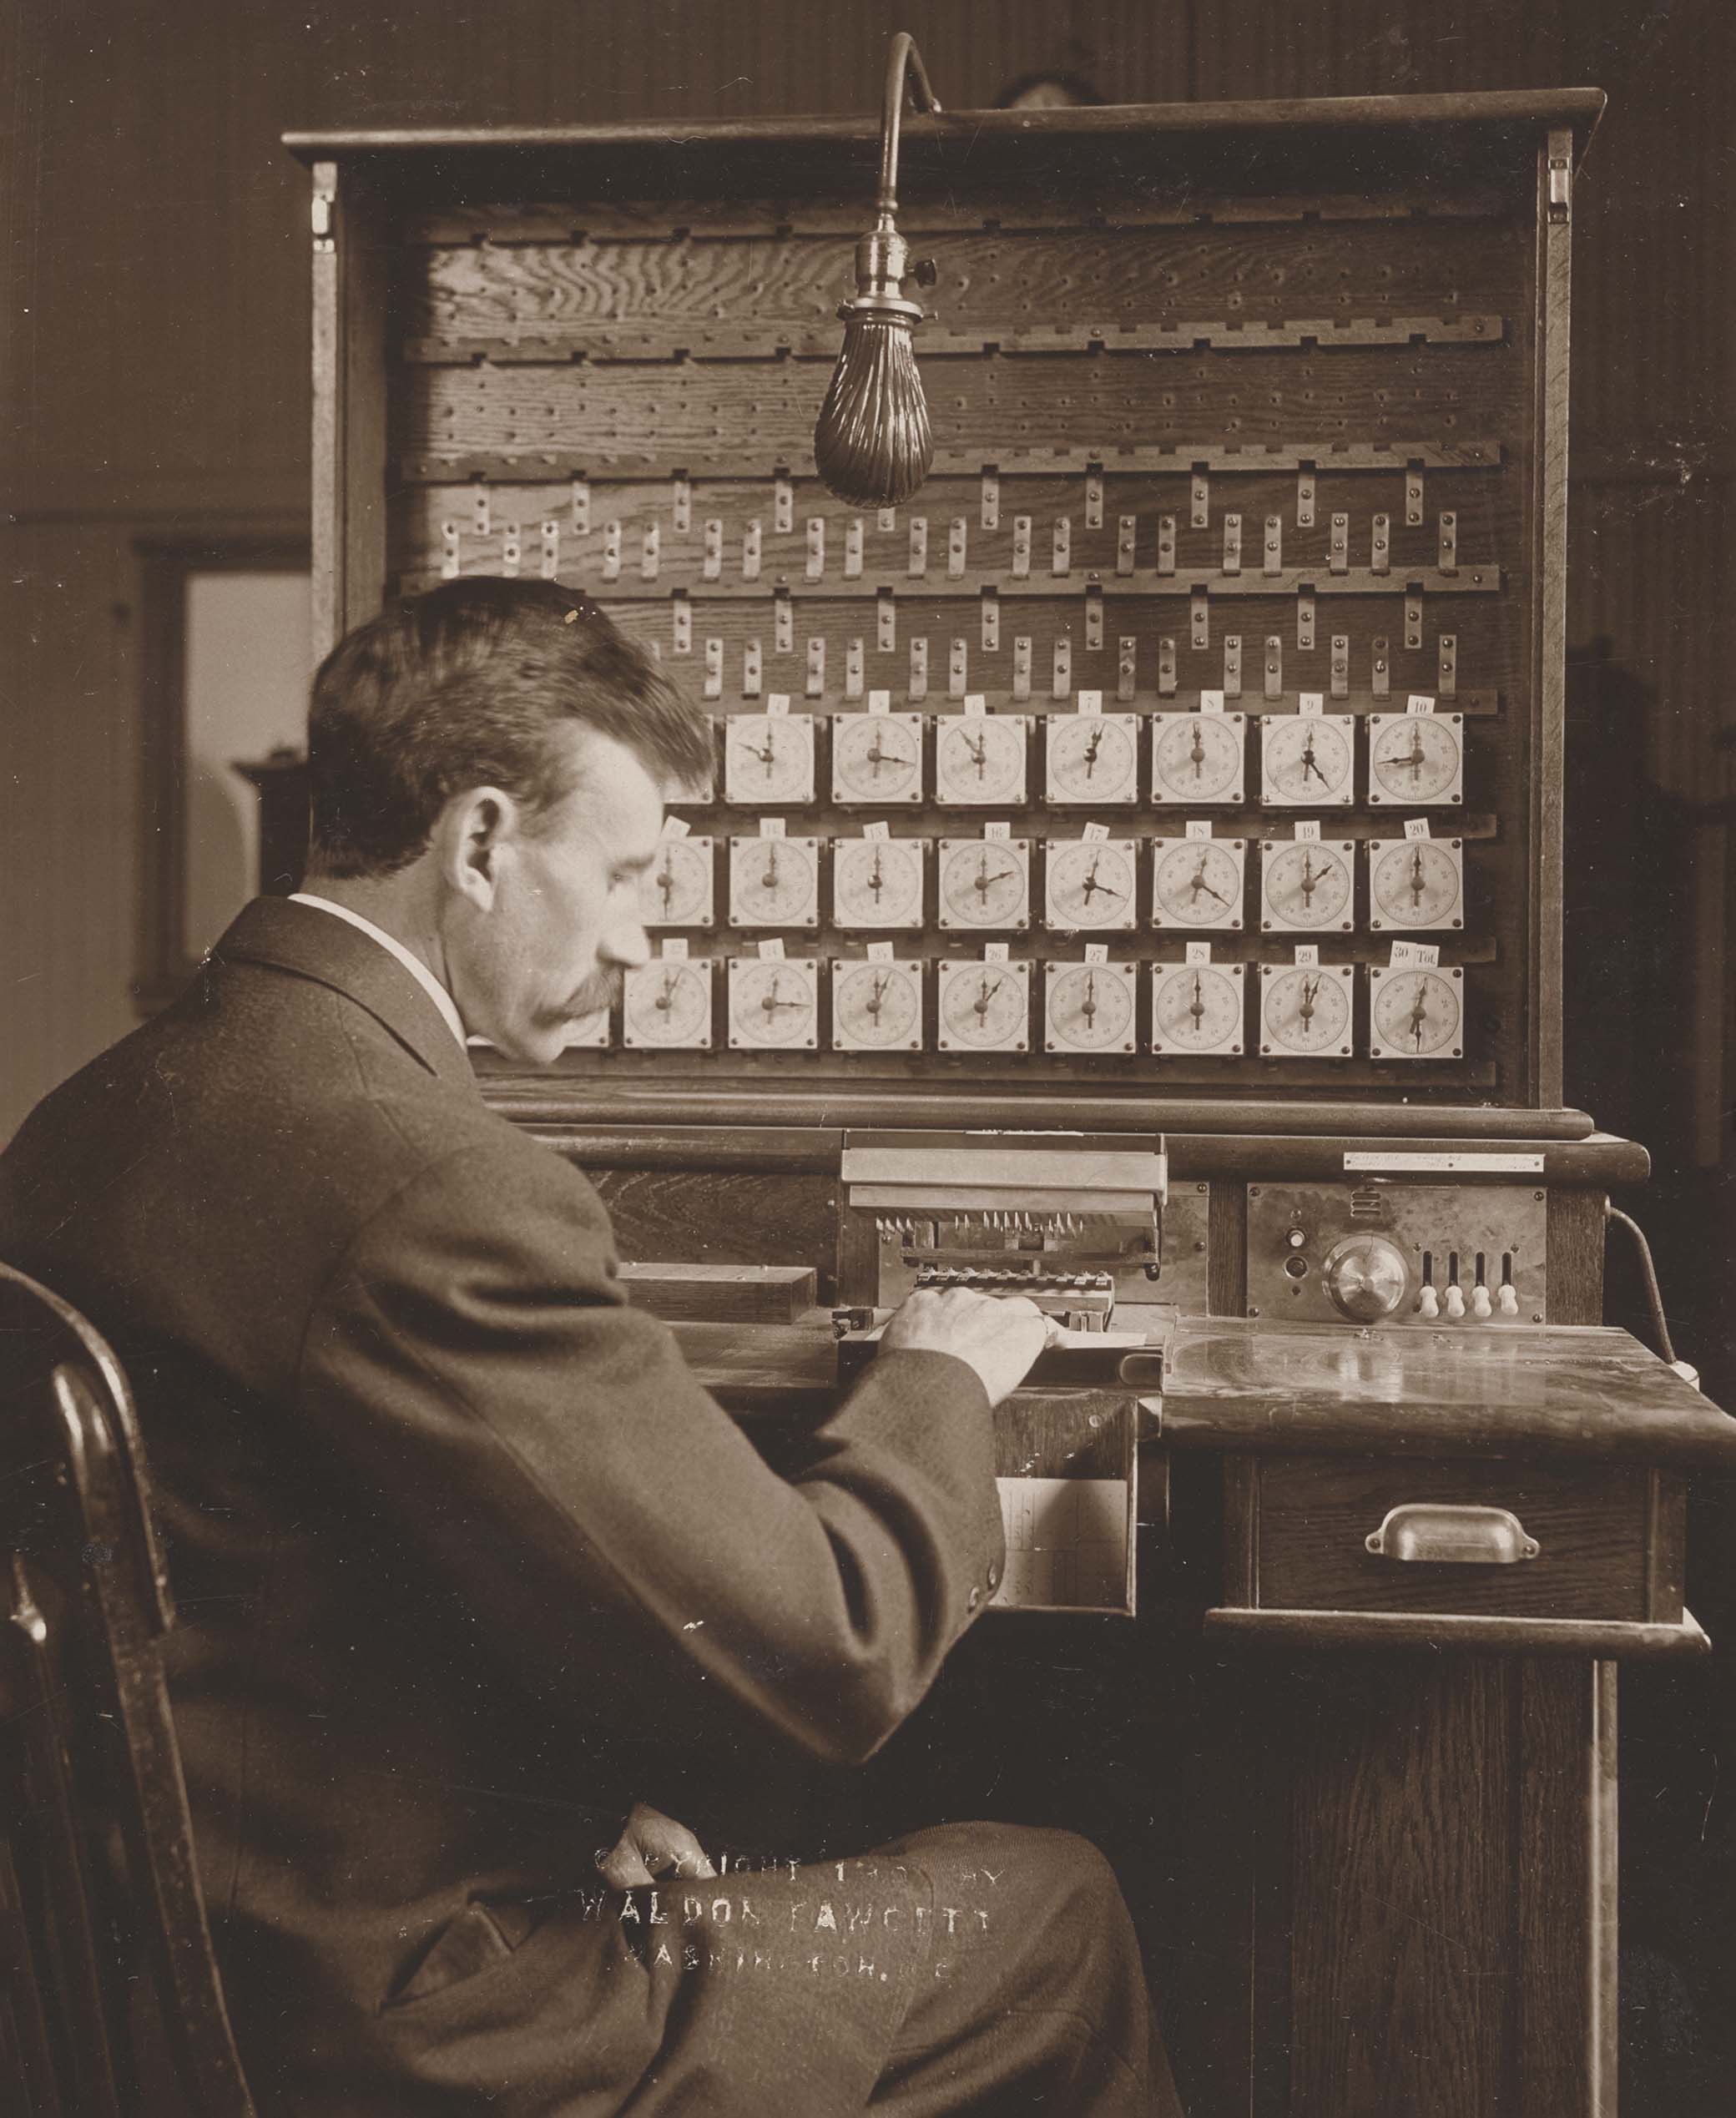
x=1307 y=884
x=667 y=1005
x=1199 y=758
x=984 y=1006
x=1416 y=758
x=1305 y=1013
x=1415 y=1014
x=678 y=887
x=1308 y=760
x=1197 y=1008
x=979 y=759
x=774 y=1005
x=876 y=757
x=1093 y=759
x=877 y=1006
x=986 y=883
x=775 y=882
x=1416 y=883
x=1089 y=883
x=877 y=882
x=1198 y=882
x=1089 y=1007
x=768 y=759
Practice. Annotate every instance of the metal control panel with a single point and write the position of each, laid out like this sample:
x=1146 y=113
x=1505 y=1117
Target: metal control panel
x=1469 y=1255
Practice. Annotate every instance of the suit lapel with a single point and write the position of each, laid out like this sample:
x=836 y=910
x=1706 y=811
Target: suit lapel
x=308 y=943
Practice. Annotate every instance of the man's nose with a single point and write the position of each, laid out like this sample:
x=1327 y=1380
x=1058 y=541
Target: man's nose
x=625 y=942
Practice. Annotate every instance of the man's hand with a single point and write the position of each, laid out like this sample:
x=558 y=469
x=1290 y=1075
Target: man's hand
x=998 y=1335
x=652 y=1844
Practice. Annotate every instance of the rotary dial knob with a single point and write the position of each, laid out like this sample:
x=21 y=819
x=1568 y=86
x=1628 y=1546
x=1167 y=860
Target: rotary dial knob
x=773 y=882
x=668 y=1004
x=877 y=758
x=979 y=758
x=1415 y=882
x=1414 y=758
x=772 y=1003
x=1414 y=1014
x=1197 y=757
x=877 y=1006
x=1197 y=1007
x=1305 y=883
x=983 y=1007
x=1197 y=882
x=1090 y=884
x=678 y=885
x=1093 y=758
x=769 y=757
x=1089 y=1008
x=1365 y=1277
x=1306 y=1012
x=1308 y=759
x=985 y=882
x=877 y=882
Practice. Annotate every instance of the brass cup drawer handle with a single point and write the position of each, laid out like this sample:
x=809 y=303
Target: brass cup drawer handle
x=1439 y=1534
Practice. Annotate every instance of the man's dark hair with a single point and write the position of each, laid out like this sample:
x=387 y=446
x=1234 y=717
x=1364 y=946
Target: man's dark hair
x=462 y=688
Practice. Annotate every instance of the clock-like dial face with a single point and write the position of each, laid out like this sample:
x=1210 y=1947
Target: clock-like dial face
x=1414 y=758
x=985 y=882
x=1415 y=882
x=877 y=1006
x=1415 y=1015
x=1306 y=883
x=1197 y=757
x=769 y=757
x=667 y=1003
x=978 y=758
x=1309 y=759
x=677 y=889
x=1090 y=884
x=1093 y=758
x=1197 y=882
x=773 y=1003
x=773 y=882
x=984 y=1006
x=1306 y=1011
x=877 y=758
x=877 y=882
x=1089 y=1007
x=1196 y=1007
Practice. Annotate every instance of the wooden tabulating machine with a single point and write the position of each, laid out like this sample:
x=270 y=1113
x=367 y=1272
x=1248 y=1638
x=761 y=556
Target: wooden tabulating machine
x=1131 y=872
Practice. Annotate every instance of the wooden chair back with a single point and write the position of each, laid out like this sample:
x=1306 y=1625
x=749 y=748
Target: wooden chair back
x=100 y=1911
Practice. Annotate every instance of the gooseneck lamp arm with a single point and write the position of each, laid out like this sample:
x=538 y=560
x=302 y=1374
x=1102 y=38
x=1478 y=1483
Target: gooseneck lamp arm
x=873 y=443
x=904 y=67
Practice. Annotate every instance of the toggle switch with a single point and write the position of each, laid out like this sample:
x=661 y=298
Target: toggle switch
x=1454 y=1299
x=1428 y=1303
x=1509 y=1300
x=1481 y=1304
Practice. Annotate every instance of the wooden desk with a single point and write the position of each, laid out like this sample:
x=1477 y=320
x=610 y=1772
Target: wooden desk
x=1403 y=1773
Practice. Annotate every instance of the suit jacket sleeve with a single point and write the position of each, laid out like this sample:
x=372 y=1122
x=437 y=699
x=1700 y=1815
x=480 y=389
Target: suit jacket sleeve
x=599 y=1513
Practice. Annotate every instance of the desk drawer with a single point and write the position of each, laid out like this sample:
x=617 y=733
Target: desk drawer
x=1561 y=1543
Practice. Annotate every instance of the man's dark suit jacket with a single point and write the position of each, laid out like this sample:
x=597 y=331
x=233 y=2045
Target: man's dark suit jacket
x=467 y=1561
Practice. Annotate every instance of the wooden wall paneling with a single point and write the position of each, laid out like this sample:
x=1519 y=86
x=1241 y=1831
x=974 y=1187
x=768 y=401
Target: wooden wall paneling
x=665 y=1216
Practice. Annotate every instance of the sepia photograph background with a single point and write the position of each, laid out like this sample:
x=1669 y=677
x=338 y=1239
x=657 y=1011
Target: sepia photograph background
x=155 y=367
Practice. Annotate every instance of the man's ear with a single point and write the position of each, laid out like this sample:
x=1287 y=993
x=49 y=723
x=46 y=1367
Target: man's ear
x=475 y=832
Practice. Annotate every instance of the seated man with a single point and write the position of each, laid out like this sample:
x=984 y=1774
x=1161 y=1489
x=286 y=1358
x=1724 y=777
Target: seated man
x=470 y=1567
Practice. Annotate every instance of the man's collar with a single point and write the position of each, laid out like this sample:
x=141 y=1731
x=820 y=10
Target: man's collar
x=306 y=941
x=393 y=947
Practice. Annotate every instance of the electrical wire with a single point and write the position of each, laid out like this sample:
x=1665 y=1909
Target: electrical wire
x=1653 y=1294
